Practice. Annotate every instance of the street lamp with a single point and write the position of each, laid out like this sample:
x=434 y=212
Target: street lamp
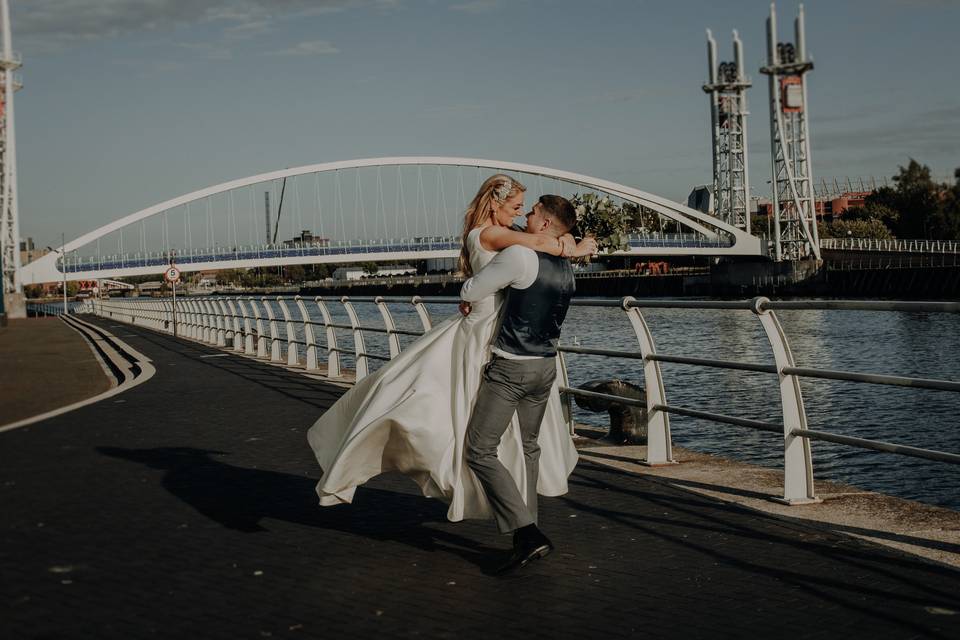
x=63 y=270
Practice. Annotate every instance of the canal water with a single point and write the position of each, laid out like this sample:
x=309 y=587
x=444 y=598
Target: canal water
x=925 y=345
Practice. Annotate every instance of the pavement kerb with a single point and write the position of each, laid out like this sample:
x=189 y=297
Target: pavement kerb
x=121 y=356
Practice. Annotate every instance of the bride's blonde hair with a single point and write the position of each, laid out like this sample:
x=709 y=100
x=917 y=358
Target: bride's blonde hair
x=495 y=189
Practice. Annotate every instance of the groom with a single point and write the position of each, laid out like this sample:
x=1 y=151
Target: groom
x=520 y=374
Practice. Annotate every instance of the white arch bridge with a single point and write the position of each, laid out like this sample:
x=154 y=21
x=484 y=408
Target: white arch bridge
x=379 y=209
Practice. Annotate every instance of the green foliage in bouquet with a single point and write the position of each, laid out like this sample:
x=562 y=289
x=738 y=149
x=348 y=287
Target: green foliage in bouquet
x=606 y=221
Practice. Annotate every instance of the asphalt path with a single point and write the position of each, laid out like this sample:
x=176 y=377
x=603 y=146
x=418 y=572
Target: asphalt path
x=185 y=508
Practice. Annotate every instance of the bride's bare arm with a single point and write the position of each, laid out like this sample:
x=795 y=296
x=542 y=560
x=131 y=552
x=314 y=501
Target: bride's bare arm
x=495 y=238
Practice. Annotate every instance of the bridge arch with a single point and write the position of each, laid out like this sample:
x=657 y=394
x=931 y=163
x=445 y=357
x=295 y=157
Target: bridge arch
x=737 y=242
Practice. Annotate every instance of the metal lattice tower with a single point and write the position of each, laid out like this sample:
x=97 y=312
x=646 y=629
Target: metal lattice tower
x=794 y=216
x=728 y=115
x=9 y=219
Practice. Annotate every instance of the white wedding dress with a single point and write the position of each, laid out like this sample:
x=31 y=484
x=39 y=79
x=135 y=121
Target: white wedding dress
x=411 y=416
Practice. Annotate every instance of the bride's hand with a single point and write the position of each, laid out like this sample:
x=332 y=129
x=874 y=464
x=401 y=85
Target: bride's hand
x=586 y=247
x=567 y=245
x=465 y=308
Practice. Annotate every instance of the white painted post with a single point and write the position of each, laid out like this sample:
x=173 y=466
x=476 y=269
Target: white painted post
x=392 y=338
x=359 y=349
x=210 y=332
x=261 y=333
x=292 y=356
x=274 y=332
x=659 y=443
x=235 y=323
x=166 y=317
x=222 y=327
x=249 y=347
x=797 y=459
x=417 y=303
x=312 y=362
x=333 y=351
x=193 y=330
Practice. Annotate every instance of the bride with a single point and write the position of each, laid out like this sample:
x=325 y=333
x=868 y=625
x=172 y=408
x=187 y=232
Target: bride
x=411 y=415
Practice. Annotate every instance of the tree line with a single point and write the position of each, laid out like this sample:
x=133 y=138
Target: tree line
x=916 y=206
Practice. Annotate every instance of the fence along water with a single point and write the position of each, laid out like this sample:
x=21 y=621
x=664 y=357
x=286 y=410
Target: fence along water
x=253 y=327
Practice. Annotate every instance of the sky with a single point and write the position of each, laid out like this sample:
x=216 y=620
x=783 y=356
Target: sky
x=127 y=103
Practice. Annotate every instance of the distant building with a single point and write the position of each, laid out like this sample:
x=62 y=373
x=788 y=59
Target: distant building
x=827 y=208
x=150 y=287
x=444 y=265
x=207 y=279
x=29 y=252
x=356 y=273
x=306 y=238
x=701 y=198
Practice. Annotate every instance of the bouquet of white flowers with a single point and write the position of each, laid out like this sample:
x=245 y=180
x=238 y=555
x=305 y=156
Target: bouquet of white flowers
x=599 y=217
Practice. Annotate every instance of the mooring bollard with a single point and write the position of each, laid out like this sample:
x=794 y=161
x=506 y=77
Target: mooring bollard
x=628 y=424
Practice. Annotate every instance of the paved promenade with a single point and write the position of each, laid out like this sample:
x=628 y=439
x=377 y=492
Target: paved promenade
x=185 y=508
x=46 y=365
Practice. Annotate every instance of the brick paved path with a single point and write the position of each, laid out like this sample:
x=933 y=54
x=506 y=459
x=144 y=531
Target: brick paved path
x=184 y=509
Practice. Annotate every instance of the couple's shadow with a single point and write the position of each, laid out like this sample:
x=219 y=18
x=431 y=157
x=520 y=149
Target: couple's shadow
x=240 y=498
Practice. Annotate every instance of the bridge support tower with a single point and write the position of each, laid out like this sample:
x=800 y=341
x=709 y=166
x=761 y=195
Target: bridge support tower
x=727 y=87
x=794 y=216
x=9 y=218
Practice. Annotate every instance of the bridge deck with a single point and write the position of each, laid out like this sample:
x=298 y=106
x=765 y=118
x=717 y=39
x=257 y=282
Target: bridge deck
x=185 y=507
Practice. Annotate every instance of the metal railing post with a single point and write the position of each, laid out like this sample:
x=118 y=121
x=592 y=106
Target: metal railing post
x=417 y=303
x=235 y=322
x=659 y=443
x=333 y=351
x=261 y=333
x=392 y=338
x=192 y=325
x=308 y=337
x=249 y=347
x=223 y=328
x=293 y=358
x=210 y=327
x=360 y=350
x=797 y=459
x=275 y=351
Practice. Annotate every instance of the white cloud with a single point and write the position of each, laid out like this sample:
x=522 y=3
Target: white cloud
x=311 y=48
x=476 y=6
x=46 y=26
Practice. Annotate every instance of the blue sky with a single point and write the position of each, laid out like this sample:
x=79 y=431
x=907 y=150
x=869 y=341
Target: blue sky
x=128 y=103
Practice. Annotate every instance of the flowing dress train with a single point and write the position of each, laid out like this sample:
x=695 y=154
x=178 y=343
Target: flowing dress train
x=411 y=416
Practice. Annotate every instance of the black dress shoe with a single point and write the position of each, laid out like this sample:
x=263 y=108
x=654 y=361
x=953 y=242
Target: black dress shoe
x=528 y=545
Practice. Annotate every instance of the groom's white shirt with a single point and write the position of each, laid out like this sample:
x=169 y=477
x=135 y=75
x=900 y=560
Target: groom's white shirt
x=516 y=266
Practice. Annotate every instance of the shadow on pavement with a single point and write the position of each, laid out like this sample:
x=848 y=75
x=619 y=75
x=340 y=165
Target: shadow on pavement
x=241 y=498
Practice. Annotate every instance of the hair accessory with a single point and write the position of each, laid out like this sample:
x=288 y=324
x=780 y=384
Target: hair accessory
x=501 y=191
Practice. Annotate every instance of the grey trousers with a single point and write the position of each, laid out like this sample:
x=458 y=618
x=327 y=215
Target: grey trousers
x=508 y=386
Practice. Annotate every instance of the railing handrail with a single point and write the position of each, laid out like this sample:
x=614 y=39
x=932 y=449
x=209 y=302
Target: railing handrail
x=208 y=319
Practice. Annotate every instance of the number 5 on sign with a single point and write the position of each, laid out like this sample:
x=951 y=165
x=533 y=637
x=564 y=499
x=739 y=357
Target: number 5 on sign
x=172 y=274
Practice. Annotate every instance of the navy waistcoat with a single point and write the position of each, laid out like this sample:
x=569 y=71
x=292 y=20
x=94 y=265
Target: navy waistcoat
x=531 y=317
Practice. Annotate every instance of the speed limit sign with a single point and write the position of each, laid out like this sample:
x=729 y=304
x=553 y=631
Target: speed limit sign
x=172 y=274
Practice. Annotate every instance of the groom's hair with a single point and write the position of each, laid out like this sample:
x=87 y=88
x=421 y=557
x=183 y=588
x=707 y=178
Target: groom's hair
x=561 y=210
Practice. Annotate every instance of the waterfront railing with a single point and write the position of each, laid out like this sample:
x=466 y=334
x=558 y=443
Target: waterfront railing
x=896 y=245
x=253 y=327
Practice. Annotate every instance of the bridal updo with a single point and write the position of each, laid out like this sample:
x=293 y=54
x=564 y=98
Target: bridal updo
x=494 y=190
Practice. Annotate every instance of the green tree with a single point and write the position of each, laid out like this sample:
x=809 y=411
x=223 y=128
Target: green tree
x=918 y=200
x=844 y=228
x=294 y=273
x=370 y=268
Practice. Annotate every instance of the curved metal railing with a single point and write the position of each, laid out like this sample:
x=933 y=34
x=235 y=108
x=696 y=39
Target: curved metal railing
x=228 y=322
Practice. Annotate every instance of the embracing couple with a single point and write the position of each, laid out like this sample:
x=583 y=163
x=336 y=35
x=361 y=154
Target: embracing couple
x=471 y=410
